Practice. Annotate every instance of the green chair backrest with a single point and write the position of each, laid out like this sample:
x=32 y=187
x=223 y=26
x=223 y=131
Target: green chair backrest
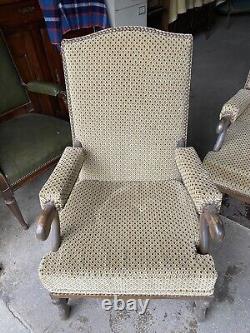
x=12 y=93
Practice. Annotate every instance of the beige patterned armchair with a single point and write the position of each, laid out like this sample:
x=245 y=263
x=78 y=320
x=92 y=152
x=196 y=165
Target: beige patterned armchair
x=132 y=208
x=229 y=163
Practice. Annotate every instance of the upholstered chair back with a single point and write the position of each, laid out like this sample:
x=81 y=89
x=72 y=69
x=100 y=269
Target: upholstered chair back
x=12 y=92
x=128 y=94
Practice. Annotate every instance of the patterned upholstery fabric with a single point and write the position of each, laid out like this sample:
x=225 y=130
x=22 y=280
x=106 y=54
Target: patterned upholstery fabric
x=138 y=106
x=197 y=180
x=59 y=185
x=129 y=225
x=229 y=167
x=129 y=238
x=236 y=105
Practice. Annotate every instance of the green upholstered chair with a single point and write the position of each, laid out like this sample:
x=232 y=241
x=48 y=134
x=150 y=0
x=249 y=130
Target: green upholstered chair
x=29 y=143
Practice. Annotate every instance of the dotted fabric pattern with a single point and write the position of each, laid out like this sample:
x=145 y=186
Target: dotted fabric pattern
x=59 y=185
x=129 y=226
x=197 y=180
x=129 y=238
x=229 y=167
x=128 y=100
x=236 y=105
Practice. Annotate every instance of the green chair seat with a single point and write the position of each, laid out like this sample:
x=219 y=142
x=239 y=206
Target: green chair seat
x=30 y=141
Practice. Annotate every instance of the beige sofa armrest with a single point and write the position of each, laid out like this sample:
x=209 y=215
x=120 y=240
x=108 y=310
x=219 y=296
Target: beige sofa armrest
x=61 y=182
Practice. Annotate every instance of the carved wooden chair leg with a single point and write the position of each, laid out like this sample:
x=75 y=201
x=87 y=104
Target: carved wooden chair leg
x=63 y=306
x=13 y=206
x=200 y=308
x=10 y=201
x=210 y=226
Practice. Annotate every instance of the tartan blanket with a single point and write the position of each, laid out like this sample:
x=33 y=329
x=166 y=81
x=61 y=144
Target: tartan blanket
x=65 y=15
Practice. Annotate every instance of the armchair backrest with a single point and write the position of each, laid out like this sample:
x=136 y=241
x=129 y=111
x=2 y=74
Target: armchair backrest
x=128 y=96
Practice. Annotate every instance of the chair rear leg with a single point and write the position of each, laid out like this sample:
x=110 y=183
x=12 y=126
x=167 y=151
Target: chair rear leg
x=13 y=206
x=62 y=305
x=10 y=201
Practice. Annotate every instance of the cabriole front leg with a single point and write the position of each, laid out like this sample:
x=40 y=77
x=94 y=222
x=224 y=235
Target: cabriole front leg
x=200 y=308
x=210 y=226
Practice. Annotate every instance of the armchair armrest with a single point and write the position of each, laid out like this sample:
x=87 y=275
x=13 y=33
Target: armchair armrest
x=197 y=180
x=61 y=182
x=46 y=88
x=205 y=195
x=236 y=105
x=231 y=110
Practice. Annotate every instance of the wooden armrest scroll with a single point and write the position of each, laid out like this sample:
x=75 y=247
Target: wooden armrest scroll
x=221 y=130
x=210 y=224
x=46 y=88
x=49 y=218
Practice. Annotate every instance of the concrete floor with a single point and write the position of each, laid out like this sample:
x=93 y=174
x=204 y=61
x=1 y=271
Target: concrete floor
x=220 y=67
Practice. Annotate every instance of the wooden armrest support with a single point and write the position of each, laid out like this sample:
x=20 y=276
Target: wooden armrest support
x=221 y=130
x=210 y=224
x=47 y=218
x=46 y=88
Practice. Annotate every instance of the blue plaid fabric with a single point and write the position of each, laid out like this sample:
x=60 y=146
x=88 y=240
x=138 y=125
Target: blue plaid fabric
x=65 y=15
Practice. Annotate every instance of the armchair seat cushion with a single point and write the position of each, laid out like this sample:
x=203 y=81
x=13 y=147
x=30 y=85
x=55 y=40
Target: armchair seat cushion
x=129 y=238
x=229 y=167
x=30 y=141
